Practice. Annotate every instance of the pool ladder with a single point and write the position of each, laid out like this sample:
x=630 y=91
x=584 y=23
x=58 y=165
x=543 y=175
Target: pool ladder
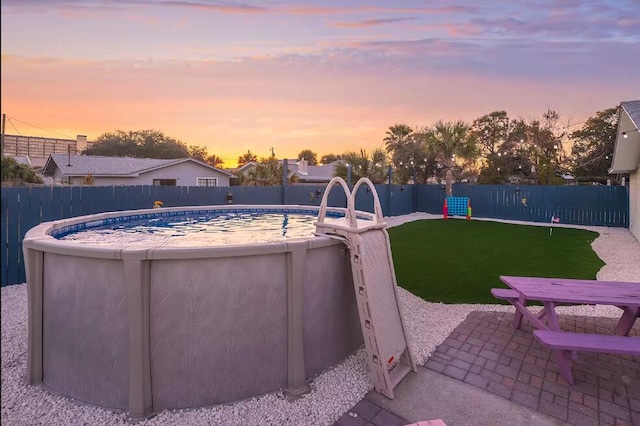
x=388 y=351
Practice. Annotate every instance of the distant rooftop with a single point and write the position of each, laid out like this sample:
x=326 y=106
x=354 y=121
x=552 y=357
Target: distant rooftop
x=81 y=165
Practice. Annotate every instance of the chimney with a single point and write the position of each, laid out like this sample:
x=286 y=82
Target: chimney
x=302 y=166
x=81 y=143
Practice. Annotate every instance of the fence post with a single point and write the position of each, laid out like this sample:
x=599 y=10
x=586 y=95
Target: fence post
x=285 y=180
x=389 y=174
x=415 y=190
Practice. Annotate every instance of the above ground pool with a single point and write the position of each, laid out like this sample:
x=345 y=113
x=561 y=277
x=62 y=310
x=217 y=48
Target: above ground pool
x=196 y=228
x=165 y=308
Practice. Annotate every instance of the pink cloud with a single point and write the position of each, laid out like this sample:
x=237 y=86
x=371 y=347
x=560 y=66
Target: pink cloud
x=80 y=8
x=373 y=22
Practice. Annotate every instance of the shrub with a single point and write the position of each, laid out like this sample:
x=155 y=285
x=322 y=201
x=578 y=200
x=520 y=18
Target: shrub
x=16 y=173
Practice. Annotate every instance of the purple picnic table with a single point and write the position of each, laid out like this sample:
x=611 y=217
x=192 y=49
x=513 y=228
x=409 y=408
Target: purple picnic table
x=553 y=291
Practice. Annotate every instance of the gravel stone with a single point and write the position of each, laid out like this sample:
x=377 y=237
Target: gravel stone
x=334 y=392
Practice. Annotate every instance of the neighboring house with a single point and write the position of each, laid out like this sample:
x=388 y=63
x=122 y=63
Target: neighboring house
x=304 y=173
x=626 y=158
x=242 y=169
x=314 y=174
x=75 y=169
x=22 y=159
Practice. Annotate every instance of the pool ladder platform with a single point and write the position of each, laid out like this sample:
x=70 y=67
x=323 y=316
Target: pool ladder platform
x=388 y=350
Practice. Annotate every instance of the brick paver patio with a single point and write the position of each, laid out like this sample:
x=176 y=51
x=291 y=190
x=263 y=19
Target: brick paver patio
x=368 y=413
x=485 y=351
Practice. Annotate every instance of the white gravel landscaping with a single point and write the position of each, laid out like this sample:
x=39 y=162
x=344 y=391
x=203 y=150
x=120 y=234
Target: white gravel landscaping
x=333 y=393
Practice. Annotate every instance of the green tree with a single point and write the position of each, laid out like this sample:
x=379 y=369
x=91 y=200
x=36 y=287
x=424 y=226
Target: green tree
x=330 y=158
x=310 y=156
x=502 y=143
x=593 y=144
x=214 y=160
x=490 y=132
x=248 y=157
x=543 y=139
x=16 y=173
x=447 y=140
x=139 y=144
x=201 y=153
x=198 y=152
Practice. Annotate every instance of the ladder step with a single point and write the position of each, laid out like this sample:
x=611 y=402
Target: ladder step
x=398 y=373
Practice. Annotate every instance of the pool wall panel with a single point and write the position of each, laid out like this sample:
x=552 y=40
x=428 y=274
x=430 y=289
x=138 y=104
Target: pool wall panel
x=218 y=329
x=331 y=323
x=85 y=330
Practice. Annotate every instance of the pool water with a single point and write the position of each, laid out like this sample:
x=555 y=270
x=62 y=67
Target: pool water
x=191 y=230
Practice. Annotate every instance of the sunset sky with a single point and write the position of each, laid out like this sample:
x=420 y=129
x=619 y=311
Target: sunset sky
x=326 y=75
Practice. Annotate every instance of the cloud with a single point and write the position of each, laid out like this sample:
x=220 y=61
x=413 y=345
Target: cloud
x=71 y=6
x=344 y=10
x=224 y=7
x=560 y=26
x=373 y=22
x=230 y=7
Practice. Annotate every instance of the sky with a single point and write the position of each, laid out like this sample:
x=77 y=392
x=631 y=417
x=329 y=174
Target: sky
x=325 y=75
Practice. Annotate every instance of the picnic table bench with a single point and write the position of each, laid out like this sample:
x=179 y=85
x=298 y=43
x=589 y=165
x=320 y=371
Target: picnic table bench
x=554 y=291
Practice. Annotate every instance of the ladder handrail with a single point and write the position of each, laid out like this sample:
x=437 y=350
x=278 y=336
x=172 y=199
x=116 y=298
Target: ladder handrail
x=377 y=208
x=350 y=214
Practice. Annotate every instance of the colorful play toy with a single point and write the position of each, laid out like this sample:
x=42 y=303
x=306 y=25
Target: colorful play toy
x=457 y=206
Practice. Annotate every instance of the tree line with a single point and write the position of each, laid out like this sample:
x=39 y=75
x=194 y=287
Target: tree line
x=493 y=149
x=496 y=149
x=148 y=144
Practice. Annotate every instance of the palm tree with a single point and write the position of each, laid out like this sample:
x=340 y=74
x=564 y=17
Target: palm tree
x=374 y=165
x=247 y=158
x=448 y=140
x=397 y=136
x=268 y=172
x=17 y=173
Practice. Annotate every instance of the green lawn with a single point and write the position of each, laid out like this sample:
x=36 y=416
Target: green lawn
x=459 y=261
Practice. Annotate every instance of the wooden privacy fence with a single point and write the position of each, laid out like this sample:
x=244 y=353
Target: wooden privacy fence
x=576 y=205
x=25 y=207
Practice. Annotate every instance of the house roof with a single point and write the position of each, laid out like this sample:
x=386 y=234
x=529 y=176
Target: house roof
x=312 y=174
x=243 y=168
x=626 y=154
x=22 y=159
x=317 y=173
x=82 y=165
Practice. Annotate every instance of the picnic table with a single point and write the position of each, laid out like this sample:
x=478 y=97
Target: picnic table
x=554 y=291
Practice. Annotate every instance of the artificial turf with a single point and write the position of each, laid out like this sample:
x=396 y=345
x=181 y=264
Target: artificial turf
x=460 y=261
